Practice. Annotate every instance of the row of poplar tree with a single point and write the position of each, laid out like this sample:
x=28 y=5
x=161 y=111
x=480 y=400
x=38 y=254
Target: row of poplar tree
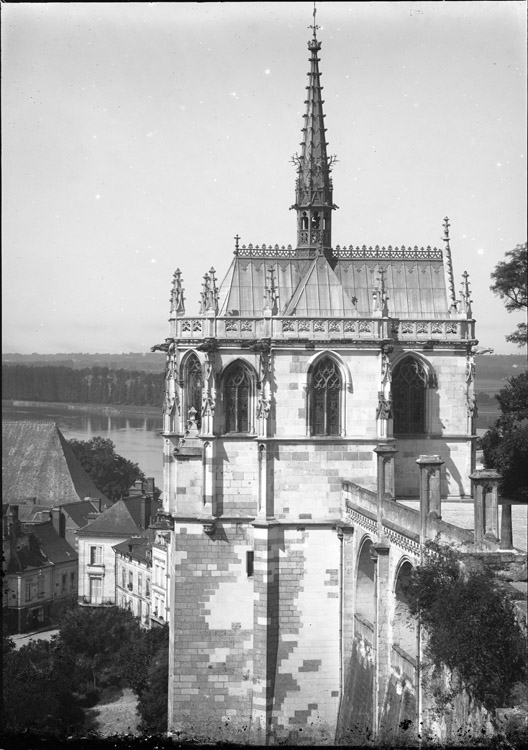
x=93 y=385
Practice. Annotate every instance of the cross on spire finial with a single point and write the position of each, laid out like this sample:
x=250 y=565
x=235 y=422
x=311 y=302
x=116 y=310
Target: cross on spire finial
x=314 y=26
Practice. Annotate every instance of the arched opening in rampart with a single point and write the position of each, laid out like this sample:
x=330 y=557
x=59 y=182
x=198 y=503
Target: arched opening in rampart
x=404 y=626
x=365 y=583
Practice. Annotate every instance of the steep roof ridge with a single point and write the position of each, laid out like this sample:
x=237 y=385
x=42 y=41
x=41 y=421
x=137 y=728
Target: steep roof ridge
x=313 y=278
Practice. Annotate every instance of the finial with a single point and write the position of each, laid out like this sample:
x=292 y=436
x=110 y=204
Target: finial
x=209 y=294
x=177 y=298
x=314 y=26
x=236 y=238
x=446 y=229
x=465 y=294
x=270 y=292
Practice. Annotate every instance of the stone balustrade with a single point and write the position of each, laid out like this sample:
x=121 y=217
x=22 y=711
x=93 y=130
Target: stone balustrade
x=322 y=328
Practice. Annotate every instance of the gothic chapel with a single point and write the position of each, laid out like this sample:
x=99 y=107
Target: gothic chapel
x=304 y=365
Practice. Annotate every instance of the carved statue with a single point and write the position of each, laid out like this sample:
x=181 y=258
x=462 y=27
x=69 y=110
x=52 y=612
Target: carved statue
x=384 y=410
x=386 y=368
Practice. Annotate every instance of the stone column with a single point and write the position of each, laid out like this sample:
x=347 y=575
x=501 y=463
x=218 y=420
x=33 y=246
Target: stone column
x=485 y=499
x=208 y=497
x=506 y=538
x=380 y=555
x=385 y=467
x=430 y=498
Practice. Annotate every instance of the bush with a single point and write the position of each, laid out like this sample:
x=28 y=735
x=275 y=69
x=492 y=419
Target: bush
x=471 y=625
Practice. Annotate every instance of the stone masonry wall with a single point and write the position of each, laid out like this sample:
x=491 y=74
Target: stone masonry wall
x=308 y=476
x=212 y=622
x=457 y=457
x=306 y=685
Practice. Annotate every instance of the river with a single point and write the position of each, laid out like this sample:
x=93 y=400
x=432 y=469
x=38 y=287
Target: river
x=135 y=433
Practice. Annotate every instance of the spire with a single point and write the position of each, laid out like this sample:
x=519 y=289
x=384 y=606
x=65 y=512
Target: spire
x=313 y=195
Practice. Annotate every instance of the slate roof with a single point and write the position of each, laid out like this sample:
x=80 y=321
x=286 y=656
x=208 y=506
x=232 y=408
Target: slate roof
x=44 y=547
x=414 y=280
x=54 y=547
x=79 y=512
x=37 y=462
x=121 y=519
x=136 y=547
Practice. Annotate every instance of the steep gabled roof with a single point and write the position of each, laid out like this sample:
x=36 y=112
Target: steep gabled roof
x=54 y=547
x=340 y=282
x=79 y=512
x=320 y=293
x=43 y=547
x=137 y=546
x=243 y=291
x=37 y=462
x=121 y=519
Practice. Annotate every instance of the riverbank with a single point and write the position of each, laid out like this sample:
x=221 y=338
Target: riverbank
x=125 y=410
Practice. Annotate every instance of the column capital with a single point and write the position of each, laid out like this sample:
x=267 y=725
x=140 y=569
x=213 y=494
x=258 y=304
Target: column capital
x=433 y=460
x=385 y=449
x=485 y=475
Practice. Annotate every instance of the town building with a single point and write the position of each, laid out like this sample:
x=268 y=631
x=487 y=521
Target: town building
x=133 y=560
x=96 y=541
x=142 y=574
x=318 y=386
x=39 y=573
x=68 y=519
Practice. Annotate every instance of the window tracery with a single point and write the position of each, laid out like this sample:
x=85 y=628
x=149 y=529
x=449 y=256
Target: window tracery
x=237 y=398
x=326 y=386
x=409 y=386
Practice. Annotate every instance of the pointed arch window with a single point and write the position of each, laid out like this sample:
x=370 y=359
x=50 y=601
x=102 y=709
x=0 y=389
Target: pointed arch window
x=237 y=398
x=409 y=385
x=325 y=390
x=194 y=387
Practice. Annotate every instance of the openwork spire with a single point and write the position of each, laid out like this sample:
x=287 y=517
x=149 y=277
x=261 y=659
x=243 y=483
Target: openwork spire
x=313 y=198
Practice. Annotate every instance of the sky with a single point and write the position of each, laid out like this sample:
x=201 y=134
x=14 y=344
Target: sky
x=139 y=138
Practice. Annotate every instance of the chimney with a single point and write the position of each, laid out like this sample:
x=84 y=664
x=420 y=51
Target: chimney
x=150 y=486
x=56 y=520
x=145 y=512
x=13 y=521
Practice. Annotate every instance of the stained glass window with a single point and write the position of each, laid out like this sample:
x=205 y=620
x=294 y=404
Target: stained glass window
x=194 y=387
x=237 y=391
x=326 y=395
x=409 y=385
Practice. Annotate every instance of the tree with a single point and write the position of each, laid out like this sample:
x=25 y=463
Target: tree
x=96 y=636
x=38 y=681
x=471 y=625
x=510 y=279
x=135 y=658
x=111 y=473
x=505 y=444
x=153 y=701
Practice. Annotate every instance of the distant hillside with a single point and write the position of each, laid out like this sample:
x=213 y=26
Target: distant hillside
x=499 y=366
x=138 y=361
x=489 y=366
